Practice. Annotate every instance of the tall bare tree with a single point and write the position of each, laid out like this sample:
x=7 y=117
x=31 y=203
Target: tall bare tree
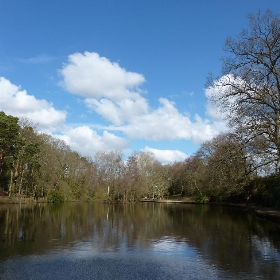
x=248 y=93
x=110 y=169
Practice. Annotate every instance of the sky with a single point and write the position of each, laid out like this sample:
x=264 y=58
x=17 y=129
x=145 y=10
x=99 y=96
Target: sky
x=125 y=75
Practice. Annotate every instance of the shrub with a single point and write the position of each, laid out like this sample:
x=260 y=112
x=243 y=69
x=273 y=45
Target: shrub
x=55 y=196
x=265 y=191
x=200 y=198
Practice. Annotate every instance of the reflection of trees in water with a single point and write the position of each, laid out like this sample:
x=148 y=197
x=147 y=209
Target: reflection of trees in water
x=27 y=229
x=230 y=238
x=222 y=236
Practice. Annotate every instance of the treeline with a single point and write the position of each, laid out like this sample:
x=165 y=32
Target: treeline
x=41 y=166
x=45 y=168
x=222 y=170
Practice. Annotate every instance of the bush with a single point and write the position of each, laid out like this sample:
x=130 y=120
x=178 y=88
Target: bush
x=200 y=198
x=265 y=191
x=55 y=196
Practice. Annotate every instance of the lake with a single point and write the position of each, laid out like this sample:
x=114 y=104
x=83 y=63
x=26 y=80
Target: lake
x=136 y=241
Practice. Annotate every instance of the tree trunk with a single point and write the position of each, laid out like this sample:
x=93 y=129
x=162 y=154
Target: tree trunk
x=11 y=183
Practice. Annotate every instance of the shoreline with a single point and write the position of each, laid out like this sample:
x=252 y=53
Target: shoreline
x=267 y=213
x=271 y=214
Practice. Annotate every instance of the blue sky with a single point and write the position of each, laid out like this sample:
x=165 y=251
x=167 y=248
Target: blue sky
x=127 y=75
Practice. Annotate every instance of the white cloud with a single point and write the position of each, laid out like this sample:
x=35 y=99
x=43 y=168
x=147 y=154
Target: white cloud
x=166 y=123
x=121 y=111
x=87 y=142
x=96 y=77
x=222 y=87
x=39 y=59
x=19 y=103
x=109 y=90
x=167 y=156
x=114 y=93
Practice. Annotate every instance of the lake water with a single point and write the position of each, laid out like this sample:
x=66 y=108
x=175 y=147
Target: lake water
x=136 y=241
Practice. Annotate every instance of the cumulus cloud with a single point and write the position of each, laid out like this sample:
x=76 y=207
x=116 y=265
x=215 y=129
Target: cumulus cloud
x=121 y=111
x=114 y=93
x=87 y=142
x=167 y=123
x=97 y=77
x=167 y=156
x=109 y=90
x=223 y=87
x=19 y=103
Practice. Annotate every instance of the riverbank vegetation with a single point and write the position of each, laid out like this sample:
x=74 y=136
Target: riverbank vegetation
x=239 y=166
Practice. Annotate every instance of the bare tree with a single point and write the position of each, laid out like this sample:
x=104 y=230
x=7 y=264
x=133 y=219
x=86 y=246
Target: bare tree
x=249 y=92
x=110 y=169
x=154 y=178
x=132 y=184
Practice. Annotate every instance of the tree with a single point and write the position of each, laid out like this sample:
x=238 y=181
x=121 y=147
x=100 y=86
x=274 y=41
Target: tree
x=109 y=167
x=79 y=176
x=27 y=164
x=194 y=176
x=154 y=179
x=54 y=157
x=176 y=177
x=225 y=167
x=249 y=92
x=9 y=147
x=132 y=182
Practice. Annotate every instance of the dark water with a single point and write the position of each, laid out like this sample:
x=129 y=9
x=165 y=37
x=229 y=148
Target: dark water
x=136 y=241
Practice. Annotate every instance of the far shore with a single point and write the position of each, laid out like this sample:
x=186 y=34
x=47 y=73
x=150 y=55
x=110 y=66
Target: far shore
x=272 y=214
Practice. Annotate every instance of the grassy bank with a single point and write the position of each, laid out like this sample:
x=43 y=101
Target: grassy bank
x=17 y=200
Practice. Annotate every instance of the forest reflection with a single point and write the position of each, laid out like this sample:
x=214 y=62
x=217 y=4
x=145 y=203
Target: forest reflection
x=229 y=238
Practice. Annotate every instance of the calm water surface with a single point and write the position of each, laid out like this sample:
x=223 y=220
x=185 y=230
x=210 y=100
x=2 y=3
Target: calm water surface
x=136 y=241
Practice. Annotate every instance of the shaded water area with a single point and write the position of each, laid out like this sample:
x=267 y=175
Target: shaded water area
x=136 y=241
